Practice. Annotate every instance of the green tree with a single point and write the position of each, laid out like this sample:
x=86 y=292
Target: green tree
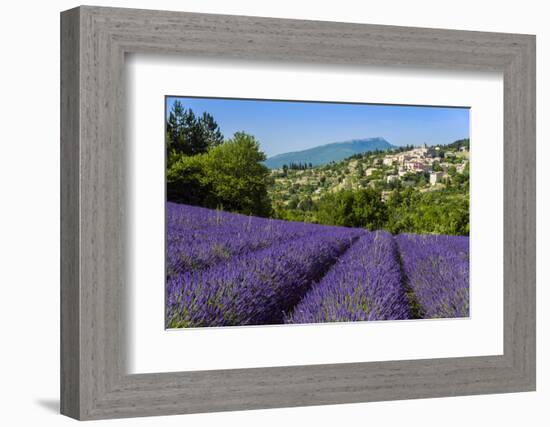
x=236 y=176
x=422 y=181
x=229 y=175
x=306 y=204
x=360 y=170
x=186 y=134
x=293 y=202
x=441 y=212
x=186 y=180
x=210 y=130
x=362 y=208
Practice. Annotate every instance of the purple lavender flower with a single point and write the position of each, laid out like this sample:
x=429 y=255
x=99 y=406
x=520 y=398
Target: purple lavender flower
x=231 y=269
x=198 y=238
x=365 y=284
x=437 y=270
x=258 y=287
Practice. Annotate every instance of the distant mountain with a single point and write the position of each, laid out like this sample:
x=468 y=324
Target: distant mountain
x=324 y=154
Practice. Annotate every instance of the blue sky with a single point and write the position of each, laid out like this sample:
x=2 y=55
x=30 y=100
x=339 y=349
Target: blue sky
x=283 y=126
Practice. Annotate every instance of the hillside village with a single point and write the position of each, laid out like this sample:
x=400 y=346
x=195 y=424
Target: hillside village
x=423 y=168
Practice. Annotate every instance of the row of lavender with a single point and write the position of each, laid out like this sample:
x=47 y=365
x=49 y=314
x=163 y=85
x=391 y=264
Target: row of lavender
x=436 y=274
x=198 y=238
x=365 y=284
x=227 y=269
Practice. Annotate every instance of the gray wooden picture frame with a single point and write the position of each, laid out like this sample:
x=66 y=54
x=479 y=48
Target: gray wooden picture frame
x=94 y=41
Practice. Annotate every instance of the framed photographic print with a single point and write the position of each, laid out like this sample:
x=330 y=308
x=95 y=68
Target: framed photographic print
x=292 y=213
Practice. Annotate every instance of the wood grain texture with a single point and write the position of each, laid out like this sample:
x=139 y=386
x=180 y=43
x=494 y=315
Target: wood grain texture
x=70 y=259
x=94 y=238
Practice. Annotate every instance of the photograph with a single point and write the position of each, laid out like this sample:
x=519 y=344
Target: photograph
x=297 y=212
x=262 y=215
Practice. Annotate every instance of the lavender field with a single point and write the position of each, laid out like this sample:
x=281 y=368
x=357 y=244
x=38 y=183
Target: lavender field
x=226 y=269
